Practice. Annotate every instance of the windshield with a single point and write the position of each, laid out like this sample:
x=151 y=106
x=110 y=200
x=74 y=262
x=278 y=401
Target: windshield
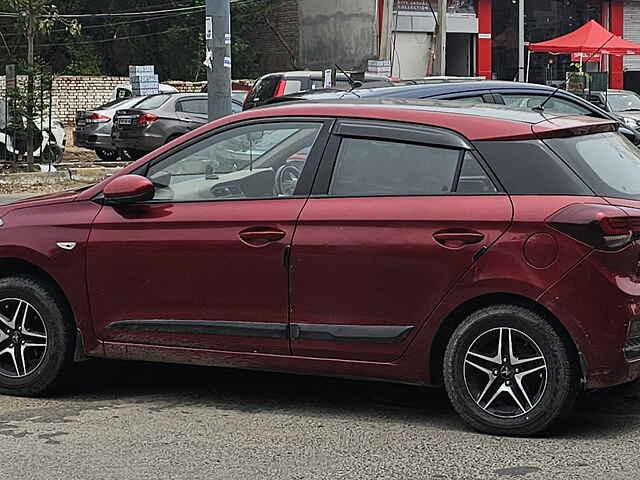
x=622 y=102
x=153 y=102
x=607 y=162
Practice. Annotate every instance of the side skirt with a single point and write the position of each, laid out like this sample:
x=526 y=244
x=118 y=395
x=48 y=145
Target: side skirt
x=398 y=372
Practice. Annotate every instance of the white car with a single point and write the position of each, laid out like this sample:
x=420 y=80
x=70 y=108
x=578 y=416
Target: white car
x=125 y=90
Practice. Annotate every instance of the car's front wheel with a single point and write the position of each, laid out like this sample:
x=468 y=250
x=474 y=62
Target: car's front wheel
x=36 y=337
x=508 y=372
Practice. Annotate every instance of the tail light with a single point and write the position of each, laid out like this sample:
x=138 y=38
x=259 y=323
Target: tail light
x=147 y=119
x=282 y=87
x=604 y=227
x=98 y=118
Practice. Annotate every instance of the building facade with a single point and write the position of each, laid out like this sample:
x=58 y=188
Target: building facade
x=483 y=36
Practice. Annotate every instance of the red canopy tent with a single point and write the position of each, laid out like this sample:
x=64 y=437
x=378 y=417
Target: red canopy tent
x=589 y=38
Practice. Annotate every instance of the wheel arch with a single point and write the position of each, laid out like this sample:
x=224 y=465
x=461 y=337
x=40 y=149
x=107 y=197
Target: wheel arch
x=462 y=311
x=17 y=266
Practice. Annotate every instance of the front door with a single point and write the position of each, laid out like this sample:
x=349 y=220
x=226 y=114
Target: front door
x=202 y=264
x=392 y=224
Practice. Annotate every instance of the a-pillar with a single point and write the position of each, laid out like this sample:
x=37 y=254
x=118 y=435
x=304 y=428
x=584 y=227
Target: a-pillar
x=485 y=23
x=616 y=26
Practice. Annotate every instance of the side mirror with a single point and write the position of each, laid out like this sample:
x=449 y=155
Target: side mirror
x=631 y=135
x=128 y=189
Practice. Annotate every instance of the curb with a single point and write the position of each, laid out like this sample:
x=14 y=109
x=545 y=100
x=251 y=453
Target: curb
x=79 y=175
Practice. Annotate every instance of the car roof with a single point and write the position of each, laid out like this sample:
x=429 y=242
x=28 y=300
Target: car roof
x=319 y=74
x=474 y=121
x=435 y=89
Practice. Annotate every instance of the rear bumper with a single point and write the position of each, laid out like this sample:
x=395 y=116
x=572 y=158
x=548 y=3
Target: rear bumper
x=92 y=140
x=146 y=142
x=597 y=305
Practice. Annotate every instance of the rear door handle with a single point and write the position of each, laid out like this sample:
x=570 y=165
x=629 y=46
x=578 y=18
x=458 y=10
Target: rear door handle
x=458 y=239
x=261 y=236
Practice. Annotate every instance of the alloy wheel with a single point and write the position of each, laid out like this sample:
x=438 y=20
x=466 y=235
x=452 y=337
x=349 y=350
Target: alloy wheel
x=505 y=372
x=23 y=338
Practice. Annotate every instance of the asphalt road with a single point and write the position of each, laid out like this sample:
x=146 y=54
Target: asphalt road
x=140 y=421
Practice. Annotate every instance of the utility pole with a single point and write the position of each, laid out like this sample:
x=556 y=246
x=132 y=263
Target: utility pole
x=218 y=38
x=441 y=39
x=521 y=69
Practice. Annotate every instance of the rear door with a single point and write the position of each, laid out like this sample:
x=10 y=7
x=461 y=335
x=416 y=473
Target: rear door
x=193 y=111
x=397 y=214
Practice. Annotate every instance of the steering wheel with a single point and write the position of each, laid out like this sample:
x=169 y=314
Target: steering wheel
x=287 y=178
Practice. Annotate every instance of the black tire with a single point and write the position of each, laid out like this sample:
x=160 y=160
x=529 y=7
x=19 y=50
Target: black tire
x=60 y=333
x=555 y=397
x=106 y=155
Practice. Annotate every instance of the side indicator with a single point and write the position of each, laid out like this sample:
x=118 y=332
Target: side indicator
x=67 y=245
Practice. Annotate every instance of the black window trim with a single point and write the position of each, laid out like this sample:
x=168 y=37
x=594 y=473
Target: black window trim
x=304 y=186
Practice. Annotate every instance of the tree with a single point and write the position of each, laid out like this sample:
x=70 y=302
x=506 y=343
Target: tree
x=36 y=17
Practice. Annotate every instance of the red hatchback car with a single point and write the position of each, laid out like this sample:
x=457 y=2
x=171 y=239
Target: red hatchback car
x=494 y=251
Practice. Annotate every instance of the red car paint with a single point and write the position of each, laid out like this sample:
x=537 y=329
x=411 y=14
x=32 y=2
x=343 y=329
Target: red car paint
x=390 y=261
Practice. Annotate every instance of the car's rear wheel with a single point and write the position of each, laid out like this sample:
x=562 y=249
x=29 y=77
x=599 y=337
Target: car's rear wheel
x=107 y=155
x=36 y=337
x=508 y=372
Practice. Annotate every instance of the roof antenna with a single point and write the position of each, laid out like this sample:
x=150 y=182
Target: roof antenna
x=540 y=108
x=351 y=81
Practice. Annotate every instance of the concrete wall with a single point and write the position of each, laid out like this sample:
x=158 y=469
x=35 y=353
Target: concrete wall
x=337 y=31
x=412 y=55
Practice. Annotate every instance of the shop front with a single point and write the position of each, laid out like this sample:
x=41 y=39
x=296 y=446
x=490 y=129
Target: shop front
x=484 y=37
x=542 y=20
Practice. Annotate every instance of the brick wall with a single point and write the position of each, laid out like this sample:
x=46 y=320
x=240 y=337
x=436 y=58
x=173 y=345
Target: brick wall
x=73 y=93
x=284 y=18
x=77 y=93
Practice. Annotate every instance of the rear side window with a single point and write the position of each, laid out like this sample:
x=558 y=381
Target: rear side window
x=607 y=162
x=557 y=105
x=531 y=168
x=153 y=102
x=263 y=90
x=198 y=106
x=367 y=168
x=473 y=179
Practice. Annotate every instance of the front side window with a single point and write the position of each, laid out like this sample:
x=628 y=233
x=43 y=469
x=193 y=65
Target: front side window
x=253 y=162
x=556 y=105
x=607 y=162
x=367 y=168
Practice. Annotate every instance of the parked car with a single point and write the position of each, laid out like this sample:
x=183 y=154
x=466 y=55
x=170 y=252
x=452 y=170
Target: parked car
x=275 y=85
x=93 y=128
x=160 y=119
x=236 y=95
x=125 y=91
x=514 y=94
x=623 y=103
x=506 y=260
